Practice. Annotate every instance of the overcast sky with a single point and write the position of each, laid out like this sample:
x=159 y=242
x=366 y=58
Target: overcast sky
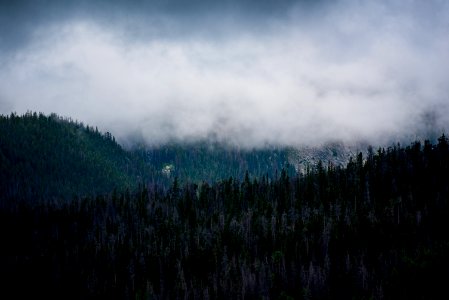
x=250 y=72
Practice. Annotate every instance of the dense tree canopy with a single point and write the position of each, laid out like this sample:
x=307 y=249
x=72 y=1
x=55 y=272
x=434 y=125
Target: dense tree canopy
x=374 y=229
x=51 y=156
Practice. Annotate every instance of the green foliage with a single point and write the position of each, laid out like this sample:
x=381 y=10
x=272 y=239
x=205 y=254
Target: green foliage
x=54 y=157
x=207 y=161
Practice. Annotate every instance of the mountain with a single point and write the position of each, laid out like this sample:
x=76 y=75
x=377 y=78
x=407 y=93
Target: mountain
x=373 y=229
x=52 y=156
x=198 y=161
x=49 y=156
x=335 y=153
x=208 y=161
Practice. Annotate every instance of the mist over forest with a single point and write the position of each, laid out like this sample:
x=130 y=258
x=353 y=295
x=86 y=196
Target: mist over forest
x=247 y=73
x=170 y=149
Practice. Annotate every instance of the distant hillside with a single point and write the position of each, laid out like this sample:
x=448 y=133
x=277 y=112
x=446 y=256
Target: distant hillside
x=42 y=156
x=336 y=153
x=206 y=161
x=375 y=229
x=52 y=156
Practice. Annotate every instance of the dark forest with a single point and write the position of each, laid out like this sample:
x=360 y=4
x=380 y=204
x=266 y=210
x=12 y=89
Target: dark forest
x=99 y=221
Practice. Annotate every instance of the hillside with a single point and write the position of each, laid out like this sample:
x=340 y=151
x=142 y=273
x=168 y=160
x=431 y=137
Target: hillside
x=336 y=153
x=207 y=161
x=374 y=229
x=54 y=156
x=49 y=156
x=198 y=161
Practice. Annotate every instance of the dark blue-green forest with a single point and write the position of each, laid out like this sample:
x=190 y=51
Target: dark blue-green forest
x=83 y=218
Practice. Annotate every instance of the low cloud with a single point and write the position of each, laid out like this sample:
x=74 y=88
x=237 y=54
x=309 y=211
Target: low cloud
x=345 y=71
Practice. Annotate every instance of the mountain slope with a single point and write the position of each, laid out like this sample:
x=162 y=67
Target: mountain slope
x=42 y=156
x=51 y=156
x=207 y=161
x=375 y=229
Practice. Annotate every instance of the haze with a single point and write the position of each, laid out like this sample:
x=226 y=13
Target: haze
x=248 y=73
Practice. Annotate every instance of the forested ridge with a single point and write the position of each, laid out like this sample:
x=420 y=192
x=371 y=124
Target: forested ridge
x=52 y=156
x=375 y=229
x=212 y=161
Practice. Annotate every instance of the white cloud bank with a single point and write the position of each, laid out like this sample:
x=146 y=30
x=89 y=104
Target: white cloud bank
x=349 y=72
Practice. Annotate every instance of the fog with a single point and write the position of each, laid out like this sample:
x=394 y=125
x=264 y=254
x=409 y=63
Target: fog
x=295 y=74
